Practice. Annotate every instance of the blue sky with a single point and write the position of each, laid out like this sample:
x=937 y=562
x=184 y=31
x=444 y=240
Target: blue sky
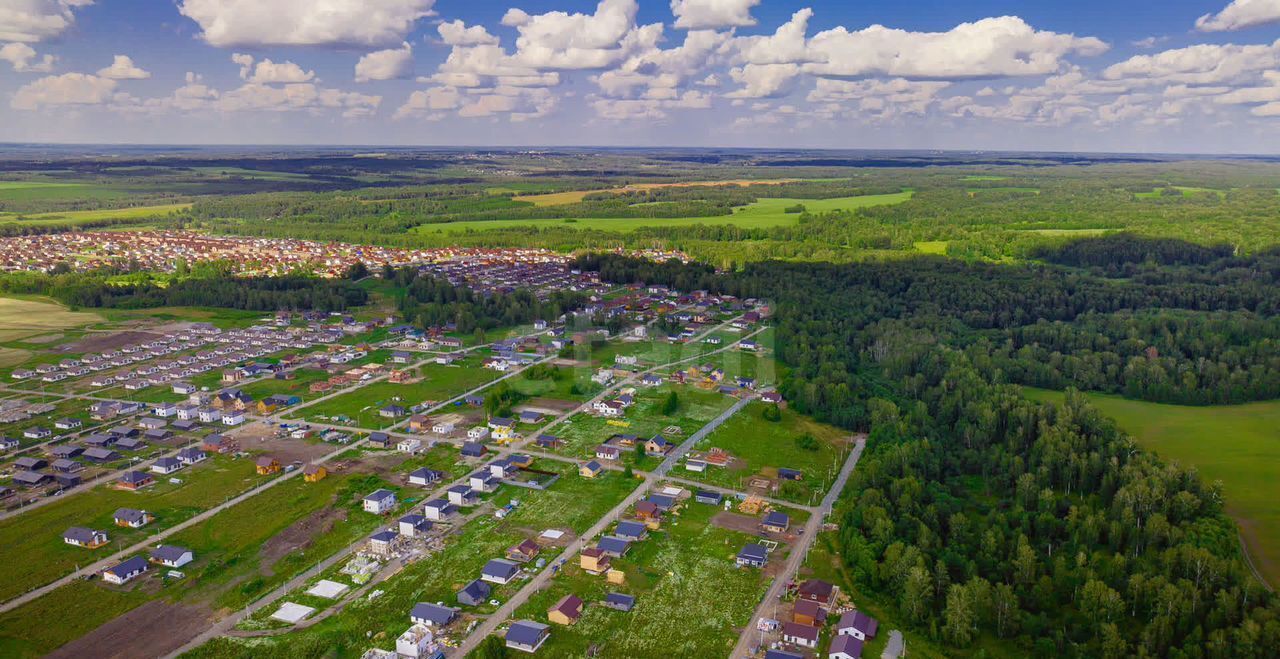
x=1174 y=76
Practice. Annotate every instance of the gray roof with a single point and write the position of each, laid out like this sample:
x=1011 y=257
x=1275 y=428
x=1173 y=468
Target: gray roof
x=168 y=553
x=847 y=644
x=134 y=564
x=526 y=632
x=500 y=568
x=436 y=614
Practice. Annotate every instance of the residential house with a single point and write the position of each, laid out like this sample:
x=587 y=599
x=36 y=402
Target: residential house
x=547 y=442
x=788 y=474
x=593 y=560
x=619 y=602
x=380 y=440
x=591 y=469
x=30 y=478
x=100 y=455
x=707 y=497
x=419 y=423
x=409 y=445
x=631 y=531
x=423 y=477
x=432 y=615
x=172 y=556
x=658 y=445
x=614 y=547
x=478 y=434
x=501 y=428
x=192 y=455
x=380 y=542
x=567 y=611
x=313 y=473
x=782 y=654
x=87 y=538
x=66 y=466
x=37 y=432
x=473 y=449
x=135 y=480
x=67 y=424
x=474 y=593
x=414 y=525
x=808 y=612
x=523 y=552
x=166 y=466
x=858 y=625
x=776 y=522
x=439 y=509
x=530 y=416
x=606 y=452
x=816 y=590
x=392 y=411
x=442 y=428
x=461 y=495
x=753 y=555
x=30 y=463
x=844 y=647
x=267 y=465
x=499 y=571
x=483 y=481
x=132 y=518
x=125 y=571
x=803 y=635
x=380 y=502
x=526 y=635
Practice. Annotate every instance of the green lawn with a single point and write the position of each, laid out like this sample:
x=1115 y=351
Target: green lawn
x=691 y=599
x=762 y=214
x=762 y=444
x=1235 y=444
x=33 y=543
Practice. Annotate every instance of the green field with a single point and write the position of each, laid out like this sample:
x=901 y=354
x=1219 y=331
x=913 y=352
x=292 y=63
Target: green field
x=1235 y=444
x=572 y=503
x=684 y=572
x=762 y=444
x=23 y=318
x=136 y=212
x=762 y=214
x=440 y=383
x=56 y=190
x=33 y=540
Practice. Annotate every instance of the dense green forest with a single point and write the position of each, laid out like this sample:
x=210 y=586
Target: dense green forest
x=976 y=512
x=98 y=289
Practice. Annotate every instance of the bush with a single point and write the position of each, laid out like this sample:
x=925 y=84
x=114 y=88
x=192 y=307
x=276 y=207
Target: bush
x=807 y=442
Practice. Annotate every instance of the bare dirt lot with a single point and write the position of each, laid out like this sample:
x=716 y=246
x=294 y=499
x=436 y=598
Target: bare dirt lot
x=548 y=405
x=261 y=437
x=105 y=342
x=151 y=630
x=299 y=535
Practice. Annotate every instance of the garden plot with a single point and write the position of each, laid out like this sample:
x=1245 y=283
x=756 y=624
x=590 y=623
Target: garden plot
x=582 y=432
x=759 y=447
x=362 y=407
x=691 y=598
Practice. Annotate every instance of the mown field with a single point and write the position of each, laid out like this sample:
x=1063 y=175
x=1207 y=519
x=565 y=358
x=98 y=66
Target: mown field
x=24 y=318
x=762 y=214
x=1237 y=445
x=362 y=405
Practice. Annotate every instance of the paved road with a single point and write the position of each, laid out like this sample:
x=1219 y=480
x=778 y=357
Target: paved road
x=150 y=542
x=798 y=553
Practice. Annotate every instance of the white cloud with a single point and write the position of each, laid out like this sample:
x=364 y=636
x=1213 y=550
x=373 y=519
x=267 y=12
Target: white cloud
x=456 y=33
x=386 y=64
x=1200 y=64
x=786 y=45
x=25 y=59
x=123 y=68
x=68 y=89
x=517 y=103
x=988 y=48
x=1241 y=14
x=269 y=72
x=305 y=22
x=880 y=98
x=31 y=21
x=1148 y=42
x=713 y=14
x=764 y=80
x=560 y=40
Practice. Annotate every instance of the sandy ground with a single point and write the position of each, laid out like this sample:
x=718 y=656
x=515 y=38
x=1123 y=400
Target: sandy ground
x=151 y=630
x=261 y=437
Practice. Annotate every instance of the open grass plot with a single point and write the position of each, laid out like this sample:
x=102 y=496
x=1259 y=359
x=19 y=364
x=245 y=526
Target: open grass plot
x=1234 y=444
x=737 y=364
x=70 y=612
x=582 y=432
x=362 y=406
x=299 y=385
x=247 y=550
x=32 y=541
x=760 y=446
x=377 y=622
x=691 y=599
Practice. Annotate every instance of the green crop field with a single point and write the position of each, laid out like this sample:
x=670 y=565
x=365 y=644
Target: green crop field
x=762 y=214
x=1235 y=444
x=51 y=191
x=758 y=444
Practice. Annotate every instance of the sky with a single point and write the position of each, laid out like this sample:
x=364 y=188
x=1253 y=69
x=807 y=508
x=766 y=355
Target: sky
x=1174 y=76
